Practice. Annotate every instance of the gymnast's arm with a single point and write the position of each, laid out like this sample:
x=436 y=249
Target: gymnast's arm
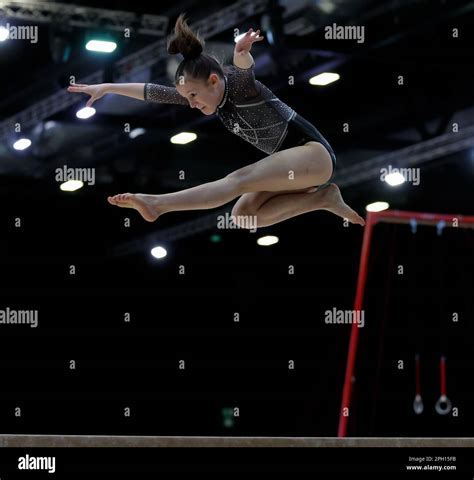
x=242 y=57
x=243 y=60
x=148 y=92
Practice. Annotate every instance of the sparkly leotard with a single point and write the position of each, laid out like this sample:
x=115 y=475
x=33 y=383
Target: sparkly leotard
x=252 y=111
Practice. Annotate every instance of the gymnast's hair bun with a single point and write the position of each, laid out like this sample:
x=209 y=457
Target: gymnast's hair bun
x=185 y=41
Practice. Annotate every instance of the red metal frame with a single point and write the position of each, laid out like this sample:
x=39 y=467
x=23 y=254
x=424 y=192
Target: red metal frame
x=393 y=216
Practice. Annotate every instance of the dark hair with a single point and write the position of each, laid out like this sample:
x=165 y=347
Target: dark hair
x=196 y=64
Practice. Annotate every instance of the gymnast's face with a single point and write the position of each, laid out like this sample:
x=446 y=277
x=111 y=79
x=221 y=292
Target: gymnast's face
x=204 y=95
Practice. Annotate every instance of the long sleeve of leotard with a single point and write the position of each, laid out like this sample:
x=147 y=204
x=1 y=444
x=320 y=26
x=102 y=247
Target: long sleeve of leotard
x=162 y=94
x=244 y=85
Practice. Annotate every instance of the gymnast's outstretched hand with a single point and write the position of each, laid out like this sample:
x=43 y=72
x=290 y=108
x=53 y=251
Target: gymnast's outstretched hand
x=245 y=43
x=95 y=91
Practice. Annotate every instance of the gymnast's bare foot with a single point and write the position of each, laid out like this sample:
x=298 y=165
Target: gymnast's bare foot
x=331 y=200
x=146 y=205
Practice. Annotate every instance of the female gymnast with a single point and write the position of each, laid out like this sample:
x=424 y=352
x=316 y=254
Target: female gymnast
x=295 y=176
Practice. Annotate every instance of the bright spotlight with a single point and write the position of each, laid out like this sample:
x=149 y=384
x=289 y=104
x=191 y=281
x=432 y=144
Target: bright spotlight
x=267 y=240
x=183 y=138
x=136 y=132
x=158 y=252
x=377 y=206
x=22 y=144
x=101 y=46
x=85 y=112
x=4 y=34
x=394 y=179
x=324 y=78
x=71 y=185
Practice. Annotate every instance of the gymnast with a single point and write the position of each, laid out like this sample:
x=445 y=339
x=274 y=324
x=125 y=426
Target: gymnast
x=295 y=175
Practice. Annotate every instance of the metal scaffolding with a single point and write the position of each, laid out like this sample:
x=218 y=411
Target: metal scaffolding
x=410 y=156
x=84 y=17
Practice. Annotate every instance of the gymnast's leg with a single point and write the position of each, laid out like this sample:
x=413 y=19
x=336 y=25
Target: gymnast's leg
x=292 y=169
x=262 y=209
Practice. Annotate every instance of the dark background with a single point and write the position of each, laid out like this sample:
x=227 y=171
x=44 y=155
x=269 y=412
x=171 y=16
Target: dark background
x=191 y=317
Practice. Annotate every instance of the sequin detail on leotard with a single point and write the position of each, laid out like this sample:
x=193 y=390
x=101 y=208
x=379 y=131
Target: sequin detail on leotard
x=248 y=108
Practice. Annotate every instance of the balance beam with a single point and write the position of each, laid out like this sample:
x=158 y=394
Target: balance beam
x=30 y=441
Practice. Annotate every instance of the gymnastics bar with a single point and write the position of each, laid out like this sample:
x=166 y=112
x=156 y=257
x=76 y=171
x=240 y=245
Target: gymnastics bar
x=391 y=216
